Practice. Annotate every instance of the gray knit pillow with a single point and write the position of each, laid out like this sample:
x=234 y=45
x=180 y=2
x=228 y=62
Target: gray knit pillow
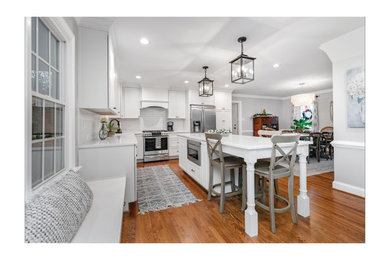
x=56 y=213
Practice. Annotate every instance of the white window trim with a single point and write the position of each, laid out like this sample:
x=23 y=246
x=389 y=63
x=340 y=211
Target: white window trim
x=64 y=33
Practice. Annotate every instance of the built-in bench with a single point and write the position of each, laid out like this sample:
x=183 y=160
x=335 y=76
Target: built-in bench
x=103 y=223
x=68 y=209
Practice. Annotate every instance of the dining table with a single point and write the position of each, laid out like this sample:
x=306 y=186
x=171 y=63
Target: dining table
x=252 y=148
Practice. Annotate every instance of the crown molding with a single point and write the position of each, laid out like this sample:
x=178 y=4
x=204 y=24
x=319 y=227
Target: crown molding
x=256 y=96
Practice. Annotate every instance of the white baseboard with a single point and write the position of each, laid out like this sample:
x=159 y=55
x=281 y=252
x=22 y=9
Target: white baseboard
x=348 y=188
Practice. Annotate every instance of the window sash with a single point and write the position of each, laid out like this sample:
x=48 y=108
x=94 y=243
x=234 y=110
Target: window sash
x=60 y=101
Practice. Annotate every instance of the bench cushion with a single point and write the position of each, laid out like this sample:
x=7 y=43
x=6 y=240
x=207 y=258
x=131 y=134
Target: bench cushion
x=103 y=223
x=56 y=213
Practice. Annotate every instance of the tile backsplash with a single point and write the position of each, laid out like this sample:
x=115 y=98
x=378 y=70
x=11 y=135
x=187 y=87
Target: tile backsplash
x=152 y=118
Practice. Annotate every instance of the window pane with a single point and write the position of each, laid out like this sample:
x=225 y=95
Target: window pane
x=36 y=161
x=37 y=118
x=49 y=159
x=43 y=78
x=59 y=155
x=54 y=52
x=54 y=84
x=34 y=34
x=33 y=72
x=49 y=119
x=43 y=41
x=59 y=120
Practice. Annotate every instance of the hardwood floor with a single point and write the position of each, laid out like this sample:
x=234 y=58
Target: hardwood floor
x=335 y=217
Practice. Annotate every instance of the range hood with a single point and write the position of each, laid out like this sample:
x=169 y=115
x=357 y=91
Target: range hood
x=149 y=103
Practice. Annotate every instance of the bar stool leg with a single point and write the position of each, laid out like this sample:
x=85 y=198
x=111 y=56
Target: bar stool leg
x=291 y=198
x=232 y=182
x=211 y=173
x=222 y=201
x=271 y=205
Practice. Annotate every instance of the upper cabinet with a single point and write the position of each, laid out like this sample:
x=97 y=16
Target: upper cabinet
x=97 y=77
x=177 y=105
x=223 y=100
x=130 y=104
x=194 y=98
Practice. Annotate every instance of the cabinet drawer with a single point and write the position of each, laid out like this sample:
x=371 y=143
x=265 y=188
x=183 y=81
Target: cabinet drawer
x=194 y=171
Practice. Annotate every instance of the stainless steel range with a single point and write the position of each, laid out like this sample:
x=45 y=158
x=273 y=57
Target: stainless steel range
x=155 y=145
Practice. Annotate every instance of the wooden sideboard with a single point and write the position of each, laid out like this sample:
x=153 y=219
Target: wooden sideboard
x=262 y=122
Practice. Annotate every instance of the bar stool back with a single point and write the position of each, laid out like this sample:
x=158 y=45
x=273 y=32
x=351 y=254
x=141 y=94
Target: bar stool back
x=224 y=164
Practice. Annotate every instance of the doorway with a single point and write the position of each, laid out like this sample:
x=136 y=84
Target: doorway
x=236 y=118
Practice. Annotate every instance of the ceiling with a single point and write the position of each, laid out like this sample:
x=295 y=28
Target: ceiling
x=179 y=47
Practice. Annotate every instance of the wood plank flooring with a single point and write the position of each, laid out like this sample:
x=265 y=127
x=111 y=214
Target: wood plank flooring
x=335 y=217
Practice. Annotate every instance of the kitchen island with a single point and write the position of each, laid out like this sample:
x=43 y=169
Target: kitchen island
x=250 y=148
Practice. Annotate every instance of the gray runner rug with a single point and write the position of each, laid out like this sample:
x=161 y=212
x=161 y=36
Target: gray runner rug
x=159 y=188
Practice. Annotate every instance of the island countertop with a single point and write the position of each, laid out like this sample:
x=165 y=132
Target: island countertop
x=117 y=140
x=240 y=141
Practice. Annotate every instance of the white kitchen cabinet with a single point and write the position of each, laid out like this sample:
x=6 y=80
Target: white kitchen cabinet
x=130 y=105
x=96 y=72
x=154 y=94
x=173 y=145
x=223 y=119
x=140 y=147
x=194 y=98
x=177 y=105
x=101 y=163
x=223 y=100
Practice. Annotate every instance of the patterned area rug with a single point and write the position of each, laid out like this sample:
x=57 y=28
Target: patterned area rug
x=159 y=188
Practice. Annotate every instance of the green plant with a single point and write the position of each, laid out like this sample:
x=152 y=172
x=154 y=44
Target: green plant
x=301 y=124
x=111 y=127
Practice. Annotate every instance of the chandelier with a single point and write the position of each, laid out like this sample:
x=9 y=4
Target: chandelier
x=242 y=67
x=206 y=85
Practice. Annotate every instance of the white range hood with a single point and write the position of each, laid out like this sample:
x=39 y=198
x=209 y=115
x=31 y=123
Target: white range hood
x=154 y=97
x=161 y=104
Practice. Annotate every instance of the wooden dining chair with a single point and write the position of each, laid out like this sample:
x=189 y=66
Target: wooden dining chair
x=327 y=129
x=225 y=164
x=315 y=146
x=274 y=171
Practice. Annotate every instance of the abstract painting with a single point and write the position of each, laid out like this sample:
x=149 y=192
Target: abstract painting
x=356 y=93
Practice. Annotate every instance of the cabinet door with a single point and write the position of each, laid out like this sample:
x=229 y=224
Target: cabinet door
x=140 y=147
x=131 y=103
x=173 y=145
x=93 y=68
x=111 y=77
x=177 y=105
x=223 y=100
x=224 y=120
x=194 y=98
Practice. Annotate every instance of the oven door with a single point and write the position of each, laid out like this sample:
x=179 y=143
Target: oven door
x=193 y=152
x=155 y=145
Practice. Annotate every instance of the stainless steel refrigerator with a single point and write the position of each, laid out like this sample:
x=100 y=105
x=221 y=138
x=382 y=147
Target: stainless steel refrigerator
x=202 y=118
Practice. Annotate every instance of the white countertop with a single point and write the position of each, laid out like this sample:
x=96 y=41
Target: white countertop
x=240 y=141
x=116 y=140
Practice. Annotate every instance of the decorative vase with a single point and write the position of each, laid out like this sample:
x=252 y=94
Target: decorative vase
x=103 y=133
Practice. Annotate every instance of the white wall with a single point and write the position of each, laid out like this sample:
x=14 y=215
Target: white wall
x=346 y=52
x=253 y=105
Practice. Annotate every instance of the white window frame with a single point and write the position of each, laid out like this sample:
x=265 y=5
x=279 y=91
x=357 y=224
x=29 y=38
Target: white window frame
x=65 y=35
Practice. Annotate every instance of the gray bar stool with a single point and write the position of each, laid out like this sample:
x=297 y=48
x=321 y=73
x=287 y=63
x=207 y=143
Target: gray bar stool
x=273 y=171
x=224 y=164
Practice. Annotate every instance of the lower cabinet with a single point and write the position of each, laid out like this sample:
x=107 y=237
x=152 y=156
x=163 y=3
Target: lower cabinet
x=100 y=163
x=173 y=146
x=140 y=147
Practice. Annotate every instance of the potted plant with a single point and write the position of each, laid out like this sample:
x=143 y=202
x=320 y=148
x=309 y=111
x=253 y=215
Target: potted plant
x=111 y=129
x=301 y=125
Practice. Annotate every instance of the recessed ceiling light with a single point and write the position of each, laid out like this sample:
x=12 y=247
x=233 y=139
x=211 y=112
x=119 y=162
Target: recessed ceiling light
x=226 y=85
x=276 y=65
x=144 y=41
x=138 y=77
x=186 y=81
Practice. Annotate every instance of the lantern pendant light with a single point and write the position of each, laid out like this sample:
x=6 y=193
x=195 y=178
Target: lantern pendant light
x=242 y=67
x=206 y=85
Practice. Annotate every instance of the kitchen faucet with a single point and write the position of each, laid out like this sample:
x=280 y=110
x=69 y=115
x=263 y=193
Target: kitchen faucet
x=119 y=130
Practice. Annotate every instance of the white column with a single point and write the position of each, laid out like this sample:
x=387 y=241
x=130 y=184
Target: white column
x=251 y=220
x=303 y=200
